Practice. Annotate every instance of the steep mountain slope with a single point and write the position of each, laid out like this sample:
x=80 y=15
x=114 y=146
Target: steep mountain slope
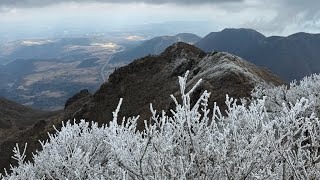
x=153 y=46
x=153 y=79
x=15 y=115
x=16 y=119
x=4 y=77
x=291 y=57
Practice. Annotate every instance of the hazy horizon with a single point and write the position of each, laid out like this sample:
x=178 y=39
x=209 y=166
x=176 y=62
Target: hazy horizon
x=63 y=18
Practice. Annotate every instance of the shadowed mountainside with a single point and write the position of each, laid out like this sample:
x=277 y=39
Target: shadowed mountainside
x=15 y=120
x=15 y=115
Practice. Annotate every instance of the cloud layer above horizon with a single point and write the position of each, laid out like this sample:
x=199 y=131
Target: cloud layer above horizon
x=271 y=17
x=36 y=3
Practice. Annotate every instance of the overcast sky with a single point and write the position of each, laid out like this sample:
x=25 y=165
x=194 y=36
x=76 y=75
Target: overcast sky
x=270 y=17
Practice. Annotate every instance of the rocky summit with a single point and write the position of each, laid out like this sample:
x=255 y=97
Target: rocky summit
x=153 y=79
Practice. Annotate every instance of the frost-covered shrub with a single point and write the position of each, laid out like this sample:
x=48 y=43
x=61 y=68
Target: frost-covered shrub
x=295 y=110
x=249 y=142
x=308 y=87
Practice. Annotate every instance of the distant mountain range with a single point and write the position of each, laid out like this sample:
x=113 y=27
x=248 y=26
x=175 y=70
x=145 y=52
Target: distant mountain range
x=291 y=57
x=154 y=46
x=44 y=73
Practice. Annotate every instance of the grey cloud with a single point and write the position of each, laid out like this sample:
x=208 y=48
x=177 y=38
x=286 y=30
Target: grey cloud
x=291 y=16
x=41 y=3
x=287 y=15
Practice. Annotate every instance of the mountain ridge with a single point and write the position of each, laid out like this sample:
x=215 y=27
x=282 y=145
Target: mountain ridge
x=147 y=79
x=154 y=46
x=291 y=57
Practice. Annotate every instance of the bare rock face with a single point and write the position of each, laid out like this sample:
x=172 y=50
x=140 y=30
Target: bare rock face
x=82 y=94
x=154 y=78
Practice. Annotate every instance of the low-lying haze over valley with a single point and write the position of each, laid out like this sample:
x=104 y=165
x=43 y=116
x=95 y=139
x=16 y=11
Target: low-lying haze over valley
x=44 y=73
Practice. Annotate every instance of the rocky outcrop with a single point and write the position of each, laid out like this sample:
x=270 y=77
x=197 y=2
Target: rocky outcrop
x=152 y=79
